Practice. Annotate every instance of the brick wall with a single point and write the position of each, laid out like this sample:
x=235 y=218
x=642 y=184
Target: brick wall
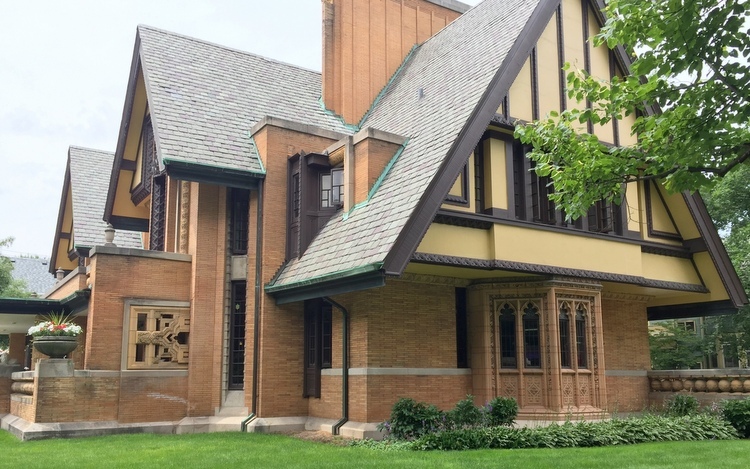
x=151 y=399
x=625 y=329
x=370 y=158
x=116 y=278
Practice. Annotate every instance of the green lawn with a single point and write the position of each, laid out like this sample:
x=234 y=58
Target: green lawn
x=257 y=450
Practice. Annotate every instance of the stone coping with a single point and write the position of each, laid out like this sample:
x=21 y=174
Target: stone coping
x=131 y=252
x=707 y=373
x=398 y=371
x=59 y=373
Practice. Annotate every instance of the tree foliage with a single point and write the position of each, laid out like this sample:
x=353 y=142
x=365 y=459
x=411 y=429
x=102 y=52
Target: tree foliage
x=675 y=348
x=690 y=91
x=10 y=287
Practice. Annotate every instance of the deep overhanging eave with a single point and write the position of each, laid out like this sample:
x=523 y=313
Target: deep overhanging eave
x=70 y=304
x=223 y=176
x=361 y=278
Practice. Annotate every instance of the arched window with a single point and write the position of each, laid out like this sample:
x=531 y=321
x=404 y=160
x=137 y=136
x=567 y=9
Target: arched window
x=531 y=339
x=564 y=323
x=581 y=336
x=508 y=337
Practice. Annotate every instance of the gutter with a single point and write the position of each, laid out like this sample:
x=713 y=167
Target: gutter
x=344 y=366
x=211 y=174
x=256 y=307
x=358 y=278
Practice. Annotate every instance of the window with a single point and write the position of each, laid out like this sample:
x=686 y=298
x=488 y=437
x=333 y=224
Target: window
x=158 y=337
x=462 y=349
x=531 y=339
x=318 y=344
x=564 y=324
x=332 y=188
x=239 y=208
x=237 y=317
x=508 y=337
x=581 y=336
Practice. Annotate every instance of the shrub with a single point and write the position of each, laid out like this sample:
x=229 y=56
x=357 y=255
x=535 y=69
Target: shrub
x=680 y=405
x=501 y=411
x=465 y=414
x=737 y=413
x=582 y=434
x=411 y=419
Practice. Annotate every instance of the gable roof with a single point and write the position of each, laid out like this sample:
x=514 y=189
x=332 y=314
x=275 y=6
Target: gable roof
x=86 y=178
x=441 y=100
x=204 y=99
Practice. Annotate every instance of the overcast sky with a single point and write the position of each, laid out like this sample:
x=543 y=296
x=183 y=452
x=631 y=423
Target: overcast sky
x=63 y=72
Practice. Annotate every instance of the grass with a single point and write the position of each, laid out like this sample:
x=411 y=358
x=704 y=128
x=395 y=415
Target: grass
x=248 y=449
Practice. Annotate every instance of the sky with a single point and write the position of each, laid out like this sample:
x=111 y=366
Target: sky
x=64 y=69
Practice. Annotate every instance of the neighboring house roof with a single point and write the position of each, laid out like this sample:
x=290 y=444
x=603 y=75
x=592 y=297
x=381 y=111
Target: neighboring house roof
x=89 y=178
x=441 y=100
x=33 y=271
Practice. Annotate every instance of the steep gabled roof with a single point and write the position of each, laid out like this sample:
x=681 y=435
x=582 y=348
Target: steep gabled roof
x=441 y=100
x=33 y=271
x=86 y=179
x=89 y=176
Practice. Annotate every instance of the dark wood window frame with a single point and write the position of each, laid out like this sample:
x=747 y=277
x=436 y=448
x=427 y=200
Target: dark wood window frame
x=318 y=346
x=239 y=207
x=237 y=320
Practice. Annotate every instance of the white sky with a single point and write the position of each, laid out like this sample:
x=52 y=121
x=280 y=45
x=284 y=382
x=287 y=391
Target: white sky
x=64 y=68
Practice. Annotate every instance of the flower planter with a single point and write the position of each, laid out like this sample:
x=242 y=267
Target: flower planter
x=55 y=346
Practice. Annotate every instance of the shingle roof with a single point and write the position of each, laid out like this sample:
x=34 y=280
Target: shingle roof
x=89 y=180
x=204 y=99
x=453 y=69
x=35 y=272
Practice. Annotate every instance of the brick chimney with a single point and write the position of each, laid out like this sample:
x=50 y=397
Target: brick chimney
x=365 y=41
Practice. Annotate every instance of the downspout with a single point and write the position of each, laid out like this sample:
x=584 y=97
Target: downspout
x=344 y=366
x=256 y=308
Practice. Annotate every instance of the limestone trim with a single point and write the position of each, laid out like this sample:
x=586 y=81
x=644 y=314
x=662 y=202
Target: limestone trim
x=398 y=371
x=626 y=373
x=130 y=252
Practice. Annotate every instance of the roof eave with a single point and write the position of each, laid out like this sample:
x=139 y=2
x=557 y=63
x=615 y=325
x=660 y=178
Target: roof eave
x=60 y=216
x=362 y=278
x=124 y=126
x=199 y=172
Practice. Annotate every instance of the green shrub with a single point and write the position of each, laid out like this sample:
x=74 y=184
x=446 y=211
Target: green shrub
x=737 y=413
x=411 y=419
x=582 y=434
x=680 y=405
x=501 y=411
x=465 y=414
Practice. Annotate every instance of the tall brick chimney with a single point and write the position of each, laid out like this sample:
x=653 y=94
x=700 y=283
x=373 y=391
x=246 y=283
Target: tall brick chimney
x=365 y=41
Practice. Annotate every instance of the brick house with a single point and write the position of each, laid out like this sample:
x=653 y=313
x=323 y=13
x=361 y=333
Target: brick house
x=310 y=260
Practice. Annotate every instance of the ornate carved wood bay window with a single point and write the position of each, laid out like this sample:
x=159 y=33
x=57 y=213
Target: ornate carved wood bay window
x=544 y=346
x=158 y=337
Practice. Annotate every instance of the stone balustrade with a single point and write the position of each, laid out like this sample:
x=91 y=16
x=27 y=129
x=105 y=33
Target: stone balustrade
x=730 y=380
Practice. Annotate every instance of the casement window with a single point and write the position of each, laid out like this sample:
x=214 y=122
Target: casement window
x=332 y=188
x=237 y=317
x=462 y=332
x=318 y=350
x=239 y=207
x=149 y=164
x=564 y=326
x=520 y=328
x=158 y=337
x=573 y=325
x=581 y=336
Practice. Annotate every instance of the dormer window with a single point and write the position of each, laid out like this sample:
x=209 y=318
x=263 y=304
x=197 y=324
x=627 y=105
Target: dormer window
x=332 y=188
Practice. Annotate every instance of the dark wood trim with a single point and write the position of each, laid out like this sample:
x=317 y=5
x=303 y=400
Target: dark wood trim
x=652 y=232
x=561 y=59
x=586 y=54
x=60 y=216
x=495 y=212
x=64 y=235
x=615 y=122
x=665 y=250
x=127 y=165
x=690 y=310
x=129 y=223
x=506 y=107
x=534 y=72
x=463 y=199
x=485 y=221
x=500 y=120
x=135 y=68
x=716 y=249
x=509 y=181
x=695 y=245
x=513 y=266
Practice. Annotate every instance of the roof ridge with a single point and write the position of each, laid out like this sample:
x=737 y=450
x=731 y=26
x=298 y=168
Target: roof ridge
x=78 y=147
x=227 y=48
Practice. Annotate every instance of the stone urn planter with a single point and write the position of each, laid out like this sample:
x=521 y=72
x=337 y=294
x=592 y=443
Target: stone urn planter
x=55 y=346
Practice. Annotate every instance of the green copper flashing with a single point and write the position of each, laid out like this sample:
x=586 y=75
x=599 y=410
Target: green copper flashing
x=257 y=153
x=387 y=85
x=351 y=127
x=379 y=181
x=269 y=288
